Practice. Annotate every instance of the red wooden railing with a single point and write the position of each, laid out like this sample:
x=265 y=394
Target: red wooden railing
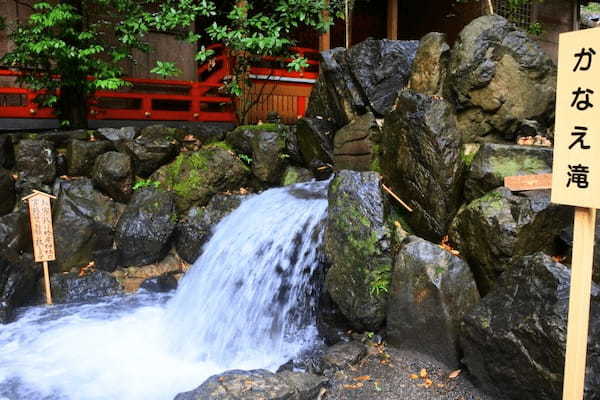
x=178 y=100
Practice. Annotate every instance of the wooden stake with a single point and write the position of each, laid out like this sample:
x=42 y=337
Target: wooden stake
x=489 y=7
x=395 y=196
x=348 y=26
x=392 y=20
x=579 y=302
x=325 y=37
x=47 y=284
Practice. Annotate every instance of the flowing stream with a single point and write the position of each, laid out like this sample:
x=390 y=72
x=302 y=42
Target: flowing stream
x=248 y=302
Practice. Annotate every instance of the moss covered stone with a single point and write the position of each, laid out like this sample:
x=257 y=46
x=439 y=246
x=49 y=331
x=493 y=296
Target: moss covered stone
x=358 y=247
x=196 y=176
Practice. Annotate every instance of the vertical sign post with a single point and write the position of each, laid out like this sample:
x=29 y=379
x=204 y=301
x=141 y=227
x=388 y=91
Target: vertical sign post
x=40 y=216
x=576 y=182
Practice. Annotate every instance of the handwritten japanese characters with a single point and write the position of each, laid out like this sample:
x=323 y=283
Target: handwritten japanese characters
x=41 y=228
x=576 y=169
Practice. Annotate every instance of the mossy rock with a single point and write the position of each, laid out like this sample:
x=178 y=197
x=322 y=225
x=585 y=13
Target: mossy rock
x=195 y=177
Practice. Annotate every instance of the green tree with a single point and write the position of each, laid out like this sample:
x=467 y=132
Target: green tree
x=62 y=44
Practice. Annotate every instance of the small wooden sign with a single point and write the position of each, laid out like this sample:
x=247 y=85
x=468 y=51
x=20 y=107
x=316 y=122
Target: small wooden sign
x=528 y=182
x=576 y=182
x=40 y=217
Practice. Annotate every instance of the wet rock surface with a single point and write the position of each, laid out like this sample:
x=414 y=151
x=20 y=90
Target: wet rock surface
x=72 y=288
x=431 y=291
x=81 y=155
x=160 y=284
x=422 y=160
x=357 y=244
x=113 y=174
x=514 y=341
x=257 y=385
x=118 y=134
x=499 y=77
x=8 y=197
x=269 y=156
x=294 y=175
x=494 y=162
x=430 y=66
x=144 y=231
x=357 y=146
x=36 y=159
x=343 y=355
x=195 y=229
x=315 y=139
x=500 y=225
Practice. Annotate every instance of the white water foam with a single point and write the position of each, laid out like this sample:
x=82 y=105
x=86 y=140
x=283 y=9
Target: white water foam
x=248 y=302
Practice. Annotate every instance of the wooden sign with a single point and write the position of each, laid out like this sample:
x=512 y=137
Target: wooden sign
x=576 y=182
x=40 y=217
x=528 y=182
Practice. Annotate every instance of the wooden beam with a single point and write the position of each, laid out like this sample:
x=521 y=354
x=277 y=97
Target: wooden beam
x=392 y=20
x=325 y=38
x=348 y=25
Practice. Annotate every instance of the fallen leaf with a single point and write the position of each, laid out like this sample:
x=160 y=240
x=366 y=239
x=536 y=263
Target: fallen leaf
x=423 y=373
x=354 y=386
x=414 y=376
x=362 y=378
x=454 y=374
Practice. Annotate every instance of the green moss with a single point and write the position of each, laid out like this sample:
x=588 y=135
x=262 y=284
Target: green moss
x=510 y=166
x=262 y=127
x=291 y=176
x=220 y=145
x=493 y=199
x=190 y=166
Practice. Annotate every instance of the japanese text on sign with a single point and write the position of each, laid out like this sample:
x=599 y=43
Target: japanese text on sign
x=41 y=228
x=576 y=169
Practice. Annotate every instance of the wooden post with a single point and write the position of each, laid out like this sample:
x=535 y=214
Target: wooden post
x=579 y=302
x=488 y=7
x=40 y=217
x=392 y=20
x=325 y=38
x=348 y=25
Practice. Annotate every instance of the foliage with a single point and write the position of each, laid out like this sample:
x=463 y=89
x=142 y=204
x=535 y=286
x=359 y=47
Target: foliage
x=534 y=28
x=143 y=183
x=64 y=43
x=380 y=280
x=246 y=159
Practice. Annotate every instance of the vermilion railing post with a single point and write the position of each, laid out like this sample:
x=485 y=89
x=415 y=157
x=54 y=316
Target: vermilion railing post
x=196 y=107
x=301 y=105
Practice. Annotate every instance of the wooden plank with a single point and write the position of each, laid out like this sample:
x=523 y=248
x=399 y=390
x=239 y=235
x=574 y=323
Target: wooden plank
x=579 y=303
x=528 y=182
x=392 y=19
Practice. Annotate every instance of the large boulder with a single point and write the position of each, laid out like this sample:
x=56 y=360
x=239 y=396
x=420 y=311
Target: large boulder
x=343 y=355
x=315 y=139
x=430 y=65
x=514 y=341
x=493 y=162
x=363 y=78
x=357 y=244
x=431 y=292
x=494 y=228
x=357 y=145
x=195 y=177
x=195 y=229
x=422 y=160
x=269 y=156
x=499 y=78
x=155 y=146
x=18 y=273
x=144 y=231
x=81 y=155
x=113 y=174
x=257 y=385
x=8 y=196
x=118 y=134
x=35 y=160
x=73 y=288
x=240 y=139
x=7 y=155
x=84 y=223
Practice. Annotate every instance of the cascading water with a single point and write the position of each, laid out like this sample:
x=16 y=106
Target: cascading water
x=248 y=302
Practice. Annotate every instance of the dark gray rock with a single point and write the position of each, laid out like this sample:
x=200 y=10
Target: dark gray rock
x=8 y=196
x=195 y=229
x=84 y=222
x=430 y=65
x=160 y=284
x=113 y=174
x=315 y=140
x=257 y=385
x=144 y=231
x=514 y=341
x=295 y=175
x=364 y=78
x=107 y=259
x=343 y=355
x=498 y=77
x=431 y=292
x=36 y=159
x=7 y=155
x=494 y=162
x=500 y=225
x=357 y=244
x=240 y=139
x=357 y=145
x=422 y=161
x=208 y=132
x=268 y=155
x=72 y=288
x=195 y=177
x=81 y=155
x=155 y=146
x=118 y=134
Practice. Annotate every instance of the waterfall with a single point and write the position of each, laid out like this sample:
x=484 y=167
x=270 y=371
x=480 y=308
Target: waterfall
x=248 y=302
